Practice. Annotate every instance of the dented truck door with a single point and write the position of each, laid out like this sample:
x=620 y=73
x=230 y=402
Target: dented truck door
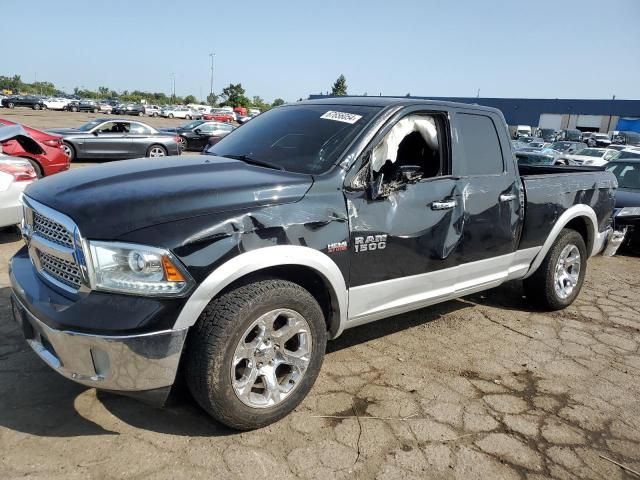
x=401 y=245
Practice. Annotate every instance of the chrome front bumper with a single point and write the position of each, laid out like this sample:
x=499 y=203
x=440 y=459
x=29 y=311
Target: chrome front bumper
x=127 y=364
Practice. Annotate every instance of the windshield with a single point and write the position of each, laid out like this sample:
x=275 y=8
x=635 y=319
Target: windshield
x=590 y=152
x=628 y=174
x=601 y=135
x=560 y=146
x=85 y=127
x=628 y=154
x=191 y=125
x=300 y=138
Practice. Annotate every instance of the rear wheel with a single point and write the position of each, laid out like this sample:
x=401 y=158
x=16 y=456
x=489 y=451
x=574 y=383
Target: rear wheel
x=74 y=109
x=95 y=110
x=11 y=105
x=156 y=151
x=36 y=106
x=170 y=115
x=255 y=353
x=558 y=280
x=140 y=114
x=69 y=151
x=36 y=166
x=188 y=117
x=182 y=143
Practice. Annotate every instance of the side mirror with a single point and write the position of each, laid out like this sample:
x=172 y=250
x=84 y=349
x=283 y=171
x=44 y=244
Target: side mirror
x=96 y=132
x=198 y=131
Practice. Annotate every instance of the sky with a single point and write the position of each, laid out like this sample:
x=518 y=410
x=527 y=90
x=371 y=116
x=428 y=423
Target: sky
x=290 y=49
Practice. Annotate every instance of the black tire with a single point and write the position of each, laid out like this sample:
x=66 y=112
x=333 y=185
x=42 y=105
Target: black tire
x=11 y=105
x=36 y=166
x=188 y=117
x=140 y=114
x=158 y=148
x=95 y=110
x=155 y=114
x=170 y=115
x=212 y=341
x=36 y=106
x=540 y=287
x=70 y=150
x=74 y=109
x=182 y=143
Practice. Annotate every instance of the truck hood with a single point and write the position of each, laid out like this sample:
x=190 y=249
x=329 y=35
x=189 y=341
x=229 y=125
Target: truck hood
x=109 y=200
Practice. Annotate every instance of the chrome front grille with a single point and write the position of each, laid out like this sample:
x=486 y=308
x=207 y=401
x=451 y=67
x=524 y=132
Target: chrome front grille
x=62 y=270
x=55 y=253
x=52 y=230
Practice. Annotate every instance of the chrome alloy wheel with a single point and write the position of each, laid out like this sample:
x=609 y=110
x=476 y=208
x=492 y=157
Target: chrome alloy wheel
x=67 y=150
x=271 y=358
x=157 y=152
x=567 y=272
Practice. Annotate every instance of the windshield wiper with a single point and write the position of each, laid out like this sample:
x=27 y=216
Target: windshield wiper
x=253 y=161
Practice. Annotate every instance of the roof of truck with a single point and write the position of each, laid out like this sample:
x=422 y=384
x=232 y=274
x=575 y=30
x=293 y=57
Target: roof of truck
x=389 y=101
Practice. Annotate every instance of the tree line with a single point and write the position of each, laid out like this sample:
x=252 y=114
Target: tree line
x=233 y=95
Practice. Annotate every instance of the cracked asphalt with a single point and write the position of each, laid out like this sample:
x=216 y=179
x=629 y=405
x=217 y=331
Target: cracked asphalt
x=478 y=388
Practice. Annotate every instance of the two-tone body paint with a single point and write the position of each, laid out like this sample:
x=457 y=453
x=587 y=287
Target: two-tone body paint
x=209 y=211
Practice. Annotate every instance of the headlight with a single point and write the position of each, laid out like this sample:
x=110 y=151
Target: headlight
x=136 y=269
x=629 y=212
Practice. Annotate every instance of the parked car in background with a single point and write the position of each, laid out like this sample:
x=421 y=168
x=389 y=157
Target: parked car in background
x=15 y=175
x=105 y=107
x=180 y=112
x=196 y=137
x=627 y=209
x=570 y=135
x=523 y=131
x=567 y=147
x=599 y=140
x=547 y=134
x=50 y=158
x=219 y=116
x=120 y=108
x=596 y=157
x=82 y=106
x=30 y=101
x=116 y=140
x=136 y=109
x=56 y=103
x=626 y=138
x=152 y=110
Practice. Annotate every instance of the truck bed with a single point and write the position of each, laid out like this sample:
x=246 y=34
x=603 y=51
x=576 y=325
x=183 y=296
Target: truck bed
x=550 y=191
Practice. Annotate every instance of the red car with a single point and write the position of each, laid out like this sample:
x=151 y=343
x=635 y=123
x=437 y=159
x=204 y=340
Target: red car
x=219 y=116
x=52 y=160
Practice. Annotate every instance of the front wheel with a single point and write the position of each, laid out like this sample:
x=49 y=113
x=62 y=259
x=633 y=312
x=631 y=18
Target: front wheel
x=558 y=280
x=188 y=117
x=69 y=151
x=36 y=106
x=156 y=151
x=170 y=115
x=255 y=353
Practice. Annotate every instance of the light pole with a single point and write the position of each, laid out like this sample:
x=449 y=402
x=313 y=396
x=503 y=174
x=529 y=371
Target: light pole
x=173 y=84
x=211 y=55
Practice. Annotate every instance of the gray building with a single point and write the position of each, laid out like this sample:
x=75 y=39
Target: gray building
x=585 y=115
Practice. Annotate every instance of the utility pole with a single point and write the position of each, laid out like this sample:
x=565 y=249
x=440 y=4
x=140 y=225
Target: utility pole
x=211 y=55
x=173 y=95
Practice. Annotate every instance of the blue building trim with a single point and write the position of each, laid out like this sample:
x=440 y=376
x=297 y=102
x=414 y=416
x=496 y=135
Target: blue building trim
x=527 y=111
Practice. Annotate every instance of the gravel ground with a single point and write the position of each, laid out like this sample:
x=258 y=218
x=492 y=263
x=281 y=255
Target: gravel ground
x=482 y=387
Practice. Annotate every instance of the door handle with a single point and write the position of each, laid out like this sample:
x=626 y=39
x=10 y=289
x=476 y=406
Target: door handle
x=507 y=197
x=446 y=205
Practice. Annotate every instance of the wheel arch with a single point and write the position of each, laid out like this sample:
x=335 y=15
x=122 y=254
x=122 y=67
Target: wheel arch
x=581 y=218
x=307 y=267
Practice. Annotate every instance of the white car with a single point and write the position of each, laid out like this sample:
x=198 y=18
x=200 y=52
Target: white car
x=56 y=103
x=15 y=176
x=594 y=157
x=180 y=112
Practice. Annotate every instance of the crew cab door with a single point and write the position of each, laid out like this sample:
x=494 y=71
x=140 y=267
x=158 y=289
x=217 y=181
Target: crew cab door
x=405 y=225
x=490 y=193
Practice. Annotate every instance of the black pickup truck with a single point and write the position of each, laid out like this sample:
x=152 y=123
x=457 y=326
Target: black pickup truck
x=235 y=268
